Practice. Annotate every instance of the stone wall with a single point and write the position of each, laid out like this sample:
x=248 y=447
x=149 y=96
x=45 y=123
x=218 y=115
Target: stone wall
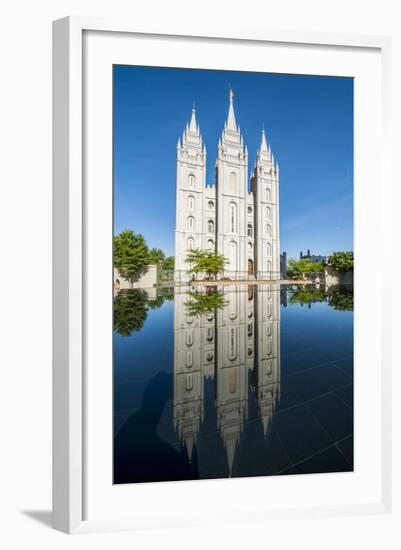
x=147 y=279
x=333 y=277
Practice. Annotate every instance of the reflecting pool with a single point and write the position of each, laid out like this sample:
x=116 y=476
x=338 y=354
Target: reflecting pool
x=234 y=381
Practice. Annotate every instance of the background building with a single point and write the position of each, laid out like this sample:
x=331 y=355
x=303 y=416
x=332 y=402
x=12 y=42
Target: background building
x=283 y=265
x=314 y=258
x=231 y=216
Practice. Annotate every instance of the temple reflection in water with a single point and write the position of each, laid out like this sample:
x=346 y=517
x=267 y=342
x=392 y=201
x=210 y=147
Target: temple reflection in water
x=216 y=382
x=236 y=344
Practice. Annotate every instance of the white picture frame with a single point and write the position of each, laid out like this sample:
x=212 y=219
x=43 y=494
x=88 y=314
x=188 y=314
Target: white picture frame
x=70 y=259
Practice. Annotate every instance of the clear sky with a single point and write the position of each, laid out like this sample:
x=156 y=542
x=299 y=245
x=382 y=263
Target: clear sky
x=309 y=126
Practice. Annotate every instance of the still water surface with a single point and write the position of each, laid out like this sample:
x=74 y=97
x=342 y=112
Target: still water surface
x=240 y=381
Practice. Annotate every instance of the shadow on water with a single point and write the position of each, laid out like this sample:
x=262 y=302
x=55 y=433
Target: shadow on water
x=140 y=454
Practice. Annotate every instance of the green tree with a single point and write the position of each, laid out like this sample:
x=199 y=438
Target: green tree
x=303 y=266
x=194 y=259
x=205 y=261
x=213 y=263
x=167 y=269
x=168 y=264
x=317 y=267
x=156 y=256
x=342 y=261
x=130 y=254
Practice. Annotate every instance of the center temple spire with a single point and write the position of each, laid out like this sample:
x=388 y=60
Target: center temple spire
x=192 y=125
x=263 y=145
x=231 y=123
x=241 y=224
x=233 y=215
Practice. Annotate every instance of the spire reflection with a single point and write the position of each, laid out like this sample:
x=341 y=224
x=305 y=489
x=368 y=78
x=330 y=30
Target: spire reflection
x=232 y=337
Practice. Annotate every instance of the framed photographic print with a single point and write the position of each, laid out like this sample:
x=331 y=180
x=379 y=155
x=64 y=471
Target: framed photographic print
x=217 y=197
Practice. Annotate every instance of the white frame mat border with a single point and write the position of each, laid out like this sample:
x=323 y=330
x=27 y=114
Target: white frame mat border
x=68 y=258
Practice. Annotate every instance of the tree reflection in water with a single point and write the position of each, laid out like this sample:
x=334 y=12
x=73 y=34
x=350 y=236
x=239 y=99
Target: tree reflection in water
x=342 y=299
x=131 y=309
x=339 y=298
x=306 y=296
x=200 y=400
x=205 y=303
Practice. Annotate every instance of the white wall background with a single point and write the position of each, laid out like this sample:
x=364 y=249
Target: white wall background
x=25 y=217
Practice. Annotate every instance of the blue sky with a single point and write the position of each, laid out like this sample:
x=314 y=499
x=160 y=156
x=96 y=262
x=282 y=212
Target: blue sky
x=309 y=126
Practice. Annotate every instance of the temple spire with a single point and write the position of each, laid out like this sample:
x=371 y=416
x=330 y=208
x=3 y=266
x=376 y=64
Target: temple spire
x=231 y=123
x=192 y=125
x=263 y=145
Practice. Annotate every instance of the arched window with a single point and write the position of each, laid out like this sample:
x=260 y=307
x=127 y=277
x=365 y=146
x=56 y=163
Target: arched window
x=268 y=213
x=210 y=244
x=210 y=205
x=232 y=354
x=250 y=231
x=233 y=256
x=191 y=223
x=188 y=382
x=191 y=181
x=250 y=329
x=188 y=359
x=232 y=380
x=189 y=338
x=210 y=226
x=233 y=217
x=191 y=202
x=268 y=194
x=210 y=334
x=232 y=307
x=269 y=249
x=250 y=246
x=249 y=209
x=268 y=230
x=232 y=185
x=190 y=245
